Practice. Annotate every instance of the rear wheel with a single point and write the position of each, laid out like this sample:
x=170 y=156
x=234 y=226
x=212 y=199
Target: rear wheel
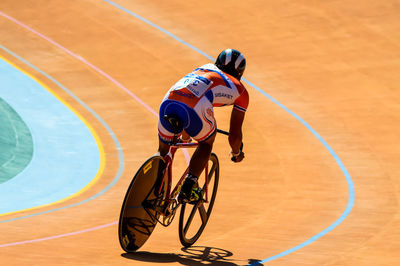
x=194 y=217
x=138 y=216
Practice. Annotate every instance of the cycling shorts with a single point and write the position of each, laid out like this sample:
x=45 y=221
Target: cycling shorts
x=198 y=122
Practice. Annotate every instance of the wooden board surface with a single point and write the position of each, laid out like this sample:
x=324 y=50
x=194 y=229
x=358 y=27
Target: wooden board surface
x=334 y=64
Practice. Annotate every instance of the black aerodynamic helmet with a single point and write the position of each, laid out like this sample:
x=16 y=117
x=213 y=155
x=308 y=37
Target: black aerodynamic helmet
x=231 y=61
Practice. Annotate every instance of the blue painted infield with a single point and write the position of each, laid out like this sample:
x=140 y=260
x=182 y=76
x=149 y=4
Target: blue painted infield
x=65 y=154
x=121 y=160
x=350 y=184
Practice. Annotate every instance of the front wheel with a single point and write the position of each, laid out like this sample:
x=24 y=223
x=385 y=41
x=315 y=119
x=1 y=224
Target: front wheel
x=194 y=217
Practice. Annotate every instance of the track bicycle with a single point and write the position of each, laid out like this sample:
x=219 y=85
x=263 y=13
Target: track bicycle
x=150 y=199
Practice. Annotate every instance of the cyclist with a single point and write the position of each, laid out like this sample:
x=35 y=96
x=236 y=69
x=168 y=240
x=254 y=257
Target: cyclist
x=191 y=101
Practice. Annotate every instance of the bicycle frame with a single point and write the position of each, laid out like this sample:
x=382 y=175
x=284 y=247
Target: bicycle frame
x=168 y=158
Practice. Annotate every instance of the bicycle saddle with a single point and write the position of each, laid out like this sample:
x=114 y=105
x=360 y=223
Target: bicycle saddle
x=175 y=122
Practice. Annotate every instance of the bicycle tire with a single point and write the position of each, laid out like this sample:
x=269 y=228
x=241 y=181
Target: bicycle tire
x=188 y=231
x=137 y=221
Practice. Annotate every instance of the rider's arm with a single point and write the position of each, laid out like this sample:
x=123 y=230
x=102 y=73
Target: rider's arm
x=235 y=133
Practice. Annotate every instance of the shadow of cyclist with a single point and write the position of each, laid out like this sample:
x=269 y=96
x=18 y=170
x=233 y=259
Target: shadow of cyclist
x=195 y=255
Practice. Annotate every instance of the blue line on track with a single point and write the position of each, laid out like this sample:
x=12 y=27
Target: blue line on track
x=350 y=184
x=121 y=163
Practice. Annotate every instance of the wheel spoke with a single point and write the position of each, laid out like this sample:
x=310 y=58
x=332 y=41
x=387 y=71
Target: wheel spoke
x=190 y=219
x=203 y=213
x=211 y=173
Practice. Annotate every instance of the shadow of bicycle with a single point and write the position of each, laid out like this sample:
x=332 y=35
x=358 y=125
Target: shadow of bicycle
x=196 y=255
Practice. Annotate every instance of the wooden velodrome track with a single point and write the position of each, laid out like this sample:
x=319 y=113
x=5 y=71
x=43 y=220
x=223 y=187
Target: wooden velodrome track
x=334 y=64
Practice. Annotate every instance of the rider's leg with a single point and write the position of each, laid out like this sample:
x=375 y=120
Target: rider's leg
x=197 y=164
x=200 y=156
x=163 y=148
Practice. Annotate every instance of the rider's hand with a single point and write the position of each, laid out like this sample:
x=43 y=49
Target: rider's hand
x=237 y=158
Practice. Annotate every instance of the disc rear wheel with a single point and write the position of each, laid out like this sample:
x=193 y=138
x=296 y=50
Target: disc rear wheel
x=138 y=216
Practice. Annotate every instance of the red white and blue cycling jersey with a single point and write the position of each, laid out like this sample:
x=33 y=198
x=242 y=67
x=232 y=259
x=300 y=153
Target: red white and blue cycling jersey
x=193 y=97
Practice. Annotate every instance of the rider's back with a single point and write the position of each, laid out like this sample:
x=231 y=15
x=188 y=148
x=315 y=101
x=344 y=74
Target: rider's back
x=208 y=81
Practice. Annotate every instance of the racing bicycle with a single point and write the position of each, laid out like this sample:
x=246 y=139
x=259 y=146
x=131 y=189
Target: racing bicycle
x=151 y=198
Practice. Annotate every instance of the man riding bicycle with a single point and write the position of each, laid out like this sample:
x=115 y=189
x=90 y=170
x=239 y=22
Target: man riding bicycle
x=191 y=100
